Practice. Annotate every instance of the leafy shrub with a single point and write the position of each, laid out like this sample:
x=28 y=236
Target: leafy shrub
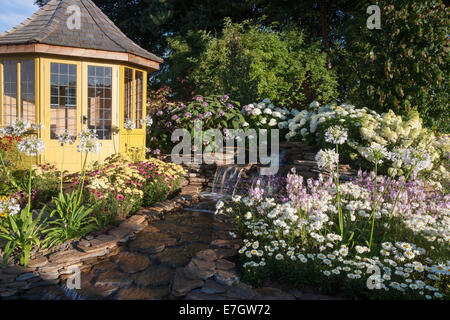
x=252 y=62
x=215 y=112
x=366 y=127
x=402 y=67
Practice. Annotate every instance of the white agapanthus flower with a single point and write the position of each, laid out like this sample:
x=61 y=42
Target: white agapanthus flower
x=129 y=125
x=66 y=138
x=375 y=153
x=31 y=146
x=336 y=135
x=327 y=158
x=417 y=160
x=148 y=121
x=88 y=141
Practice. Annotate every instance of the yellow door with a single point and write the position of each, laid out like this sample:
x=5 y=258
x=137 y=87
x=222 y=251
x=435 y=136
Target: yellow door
x=133 y=101
x=78 y=96
x=100 y=105
x=61 y=110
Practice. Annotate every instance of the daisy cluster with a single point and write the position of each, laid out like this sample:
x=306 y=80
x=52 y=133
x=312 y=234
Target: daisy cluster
x=301 y=234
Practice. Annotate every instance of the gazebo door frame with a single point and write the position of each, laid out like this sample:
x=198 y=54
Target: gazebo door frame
x=53 y=150
x=107 y=147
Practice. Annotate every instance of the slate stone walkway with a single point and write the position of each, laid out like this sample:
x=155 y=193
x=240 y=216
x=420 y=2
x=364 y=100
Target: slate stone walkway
x=145 y=267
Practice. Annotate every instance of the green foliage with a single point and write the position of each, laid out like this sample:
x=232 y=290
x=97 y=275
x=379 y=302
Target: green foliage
x=215 y=112
x=402 y=66
x=252 y=62
x=72 y=220
x=21 y=232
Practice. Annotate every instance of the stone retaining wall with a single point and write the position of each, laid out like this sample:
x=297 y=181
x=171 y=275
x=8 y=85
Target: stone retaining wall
x=50 y=267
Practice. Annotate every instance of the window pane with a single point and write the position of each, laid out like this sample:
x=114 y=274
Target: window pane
x=27 y=91
x=9 y=92
x=139 y=82
x=63 y=99
x=99 y=106
x=128 y=85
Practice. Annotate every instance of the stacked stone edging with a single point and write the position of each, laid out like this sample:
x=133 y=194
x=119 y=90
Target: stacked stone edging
x=50 y=267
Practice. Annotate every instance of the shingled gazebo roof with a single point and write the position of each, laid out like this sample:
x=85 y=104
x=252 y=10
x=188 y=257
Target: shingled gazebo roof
x=47 y=30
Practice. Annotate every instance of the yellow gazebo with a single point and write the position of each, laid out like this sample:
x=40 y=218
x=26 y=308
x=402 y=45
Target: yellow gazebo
x=69 y=67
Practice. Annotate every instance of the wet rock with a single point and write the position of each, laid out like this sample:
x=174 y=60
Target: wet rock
x=223 y=264
x=38 y=262
x=113 y=278
x=155 y=276
x=268 y=293
x=182 y=285
x=6 y=293
x=132 y=262
x=174 y=257
x=212 y=287
x=226 y=277
x=105 y=265
x=200 y=269
x=46 y=293
x=193 y=248
x=241 y=291
x=26 y=276
x=137 y=293
x=197 y=295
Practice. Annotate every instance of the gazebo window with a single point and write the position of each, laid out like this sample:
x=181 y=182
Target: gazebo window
x=134 y=96
x=128 y=92
x=139 y=86
x=27 y=90
x=100 y=101
x=63 y=105
x=10 y=112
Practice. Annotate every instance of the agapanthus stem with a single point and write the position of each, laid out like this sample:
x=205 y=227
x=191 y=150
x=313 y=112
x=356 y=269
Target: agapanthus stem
x=374 y=204
x=8 y=174
x=62 y=171
x=29 y=185
x=398 y=194
x=83 y=176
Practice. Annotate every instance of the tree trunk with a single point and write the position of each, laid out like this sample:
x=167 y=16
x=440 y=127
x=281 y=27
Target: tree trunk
x=324 y=25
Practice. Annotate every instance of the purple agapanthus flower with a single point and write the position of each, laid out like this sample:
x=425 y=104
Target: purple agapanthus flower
x=188 y=114
x=168 y=124
x=225 y=97
x=208 y=114
x=229 y=106
x=205 y=104
x=159 y=113
x=156 y=151
x=199 y=98
x=175 y=117
x=221 y=113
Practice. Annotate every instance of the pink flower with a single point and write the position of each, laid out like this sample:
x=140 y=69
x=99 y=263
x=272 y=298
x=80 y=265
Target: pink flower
x=120 y=197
